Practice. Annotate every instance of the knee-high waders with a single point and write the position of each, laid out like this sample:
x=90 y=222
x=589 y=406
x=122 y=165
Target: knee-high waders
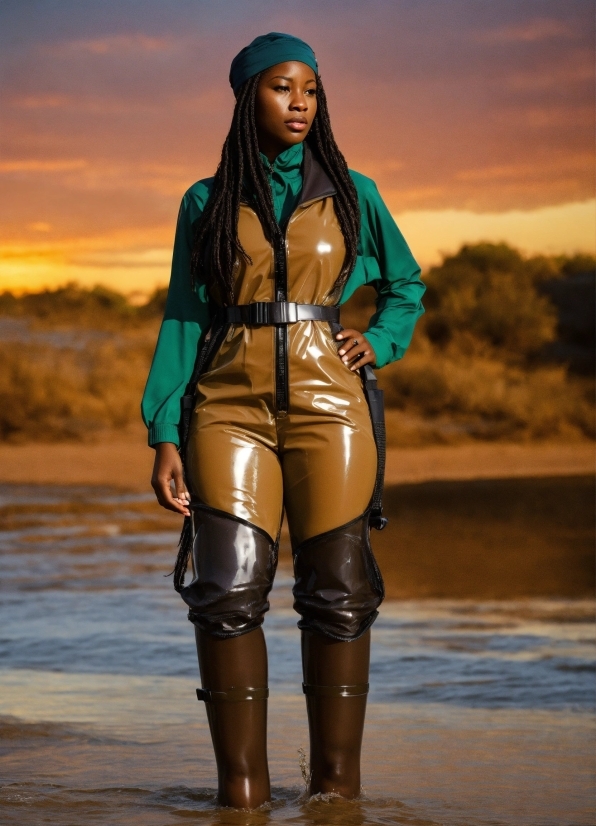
x=279 y=422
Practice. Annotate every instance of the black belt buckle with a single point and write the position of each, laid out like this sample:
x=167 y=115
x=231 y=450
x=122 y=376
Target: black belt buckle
x=279 y=312
x=283 y=312
x=257 y=312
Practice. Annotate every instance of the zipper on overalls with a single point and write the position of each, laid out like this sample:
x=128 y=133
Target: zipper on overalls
x=282 y=391
x=282 y=378
x=281 y=330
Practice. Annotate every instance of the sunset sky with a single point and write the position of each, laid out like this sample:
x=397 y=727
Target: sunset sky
x=475 y=118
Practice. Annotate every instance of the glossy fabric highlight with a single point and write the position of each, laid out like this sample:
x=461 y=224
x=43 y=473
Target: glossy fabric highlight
x=335 y=717
x=238 y=728
x=338 y=586
x=234 y=566
x=244 y=459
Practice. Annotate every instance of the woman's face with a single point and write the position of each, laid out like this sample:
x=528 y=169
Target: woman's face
x=285 y=106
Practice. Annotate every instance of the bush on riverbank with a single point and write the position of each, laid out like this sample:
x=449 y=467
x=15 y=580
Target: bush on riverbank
x=50 y=393
x=98 y=308
x=483 y=363
x=441 y=399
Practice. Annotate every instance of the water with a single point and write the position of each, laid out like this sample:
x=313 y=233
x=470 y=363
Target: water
x=480 y=712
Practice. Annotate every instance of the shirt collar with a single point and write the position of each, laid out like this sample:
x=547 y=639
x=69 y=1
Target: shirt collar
x=288 y=163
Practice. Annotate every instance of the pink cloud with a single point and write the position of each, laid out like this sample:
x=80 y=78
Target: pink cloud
x=531 y=31
x=120 y=43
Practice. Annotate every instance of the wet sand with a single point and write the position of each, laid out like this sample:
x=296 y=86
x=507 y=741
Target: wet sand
x=125 y=462
x=423 y=766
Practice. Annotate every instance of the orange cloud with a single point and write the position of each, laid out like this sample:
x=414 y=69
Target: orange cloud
x=39 y=226
x=580 y=163
x=50 y=101
x=136 y=42
x=37 y=165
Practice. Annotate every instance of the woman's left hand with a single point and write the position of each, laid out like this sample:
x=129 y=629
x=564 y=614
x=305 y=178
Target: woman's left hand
x=356 y=350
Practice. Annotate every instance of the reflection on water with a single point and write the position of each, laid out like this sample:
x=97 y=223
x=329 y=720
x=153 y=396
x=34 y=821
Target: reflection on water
x=490 y=538
x=481 y=712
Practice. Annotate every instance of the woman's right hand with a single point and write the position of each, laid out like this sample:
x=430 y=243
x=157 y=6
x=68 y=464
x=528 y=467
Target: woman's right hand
x=168 y=466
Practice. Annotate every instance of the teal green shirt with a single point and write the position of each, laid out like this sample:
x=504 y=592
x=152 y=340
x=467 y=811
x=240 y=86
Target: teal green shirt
x=285 y=178
x=384 y=261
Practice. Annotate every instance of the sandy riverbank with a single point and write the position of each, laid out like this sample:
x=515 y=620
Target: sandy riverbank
x=126 y=462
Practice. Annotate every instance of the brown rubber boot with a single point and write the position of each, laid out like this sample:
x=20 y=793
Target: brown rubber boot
x=336 y=688
x=234 y=678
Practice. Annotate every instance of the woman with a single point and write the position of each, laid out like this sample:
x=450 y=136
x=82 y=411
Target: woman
x=264 y=253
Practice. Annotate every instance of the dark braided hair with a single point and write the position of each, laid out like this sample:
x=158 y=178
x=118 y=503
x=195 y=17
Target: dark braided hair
x=216 y=244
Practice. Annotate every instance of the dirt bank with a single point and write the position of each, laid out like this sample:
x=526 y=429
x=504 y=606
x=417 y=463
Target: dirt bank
x=126 y=462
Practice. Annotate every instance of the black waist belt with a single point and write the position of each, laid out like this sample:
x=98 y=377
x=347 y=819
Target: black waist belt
x=279 y=312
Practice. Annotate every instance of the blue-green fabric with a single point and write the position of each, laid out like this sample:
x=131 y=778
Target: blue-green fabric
x=384 y=261
x=285 y=179
x=268 y=50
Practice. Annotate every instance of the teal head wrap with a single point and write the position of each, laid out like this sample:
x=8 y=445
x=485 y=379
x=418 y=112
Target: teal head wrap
x=266 y=51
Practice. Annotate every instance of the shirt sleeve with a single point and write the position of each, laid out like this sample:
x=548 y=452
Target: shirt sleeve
x=393 y=271
x=186 y=319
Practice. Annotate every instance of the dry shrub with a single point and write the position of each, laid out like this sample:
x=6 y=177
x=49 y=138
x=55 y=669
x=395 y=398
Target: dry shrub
x=491 y=293
x=478 y=366
x=448 y=399
x=49 y=394
x=98 y=308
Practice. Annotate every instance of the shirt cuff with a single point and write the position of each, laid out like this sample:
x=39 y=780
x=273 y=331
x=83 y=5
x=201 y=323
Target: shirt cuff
x=163 y=433
x=385 y=352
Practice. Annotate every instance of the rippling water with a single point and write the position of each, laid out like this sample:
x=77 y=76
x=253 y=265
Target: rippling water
x=480 y=713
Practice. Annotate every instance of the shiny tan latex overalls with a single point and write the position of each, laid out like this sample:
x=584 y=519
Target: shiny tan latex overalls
x=280 y=421
x=247 y=459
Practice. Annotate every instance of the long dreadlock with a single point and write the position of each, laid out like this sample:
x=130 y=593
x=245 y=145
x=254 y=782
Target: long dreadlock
x=216 y=244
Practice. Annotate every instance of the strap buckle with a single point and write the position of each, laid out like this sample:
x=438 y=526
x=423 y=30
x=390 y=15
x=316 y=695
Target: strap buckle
x=283 y=312
x=271 y=312
x=376 y=519
x=257 y=313
x=279 y=312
